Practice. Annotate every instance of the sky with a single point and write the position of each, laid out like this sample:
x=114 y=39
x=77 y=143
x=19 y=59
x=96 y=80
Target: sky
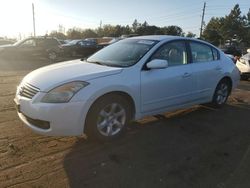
x=16 y=15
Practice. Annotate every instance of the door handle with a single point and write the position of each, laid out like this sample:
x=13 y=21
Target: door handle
x=186 y=74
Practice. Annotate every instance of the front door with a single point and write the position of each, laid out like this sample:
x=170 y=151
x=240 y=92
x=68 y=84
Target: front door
x=171 y=86
x=27 y=48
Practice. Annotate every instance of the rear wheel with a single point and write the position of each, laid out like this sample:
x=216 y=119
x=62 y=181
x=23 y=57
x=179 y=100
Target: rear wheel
x=107 y=118
x=221 y=93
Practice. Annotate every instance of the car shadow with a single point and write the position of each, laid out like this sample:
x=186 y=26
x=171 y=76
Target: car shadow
x=197 y=147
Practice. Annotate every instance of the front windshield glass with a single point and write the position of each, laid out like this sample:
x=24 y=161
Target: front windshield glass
x=18 y=42
x=123 y=53
x=73 y=41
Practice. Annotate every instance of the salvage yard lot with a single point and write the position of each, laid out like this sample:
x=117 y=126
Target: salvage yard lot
x=196 y=147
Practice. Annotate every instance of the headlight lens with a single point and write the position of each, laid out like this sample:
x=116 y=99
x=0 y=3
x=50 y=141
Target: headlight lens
x=63 y=93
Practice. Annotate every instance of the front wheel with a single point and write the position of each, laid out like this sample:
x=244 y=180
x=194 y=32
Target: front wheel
x=107 y=118
x=52 y=55
x=221 y=93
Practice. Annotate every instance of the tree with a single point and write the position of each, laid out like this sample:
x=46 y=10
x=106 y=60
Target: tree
x=190 y=35
x=231 y=27
x=58 y=35
x=233 y=24
x=172 y=30
x=212 y=31
x=108 y=30
x=148 y=30
x=89 y=33
x=75 y=33
x=135 y=25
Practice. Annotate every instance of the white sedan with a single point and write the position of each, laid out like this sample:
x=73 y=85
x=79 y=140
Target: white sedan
x=125 y=81
x=243 y=65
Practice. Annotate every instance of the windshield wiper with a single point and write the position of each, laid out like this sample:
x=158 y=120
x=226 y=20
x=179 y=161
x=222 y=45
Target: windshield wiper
x=96 y=62
x=105 y=64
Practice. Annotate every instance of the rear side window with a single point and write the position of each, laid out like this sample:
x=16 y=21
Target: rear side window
x=201 y=52
x=51 y=42
x=215 y=54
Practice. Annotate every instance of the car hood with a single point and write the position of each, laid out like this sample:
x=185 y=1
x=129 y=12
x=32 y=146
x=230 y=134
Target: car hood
x=7 y=46
x=48 y=77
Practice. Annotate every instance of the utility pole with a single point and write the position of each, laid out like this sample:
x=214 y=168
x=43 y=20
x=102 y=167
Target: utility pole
x=34 y=24
x=202 y=19
x=100 y=24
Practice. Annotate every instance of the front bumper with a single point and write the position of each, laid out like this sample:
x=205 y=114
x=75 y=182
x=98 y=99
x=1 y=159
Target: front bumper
x=52 y=119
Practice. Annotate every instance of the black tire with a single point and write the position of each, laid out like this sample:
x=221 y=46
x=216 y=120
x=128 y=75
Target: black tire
x=107 y=118
x=221 y=93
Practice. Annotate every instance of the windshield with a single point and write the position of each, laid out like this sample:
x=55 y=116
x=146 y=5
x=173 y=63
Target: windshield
x=18 y=42
x=123 y=53
x=73 y=41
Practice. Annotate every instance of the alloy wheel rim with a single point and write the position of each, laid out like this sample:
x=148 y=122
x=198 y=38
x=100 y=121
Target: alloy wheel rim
x=111 y=119
x=222 y=94
x=52 y=55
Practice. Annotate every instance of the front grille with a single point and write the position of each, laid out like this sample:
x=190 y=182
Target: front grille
x=28 y=91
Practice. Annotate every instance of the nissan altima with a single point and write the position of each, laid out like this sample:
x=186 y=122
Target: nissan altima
x=125 y=81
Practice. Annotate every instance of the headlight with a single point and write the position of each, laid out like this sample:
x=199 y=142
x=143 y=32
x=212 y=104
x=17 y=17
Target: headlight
x=63 y=93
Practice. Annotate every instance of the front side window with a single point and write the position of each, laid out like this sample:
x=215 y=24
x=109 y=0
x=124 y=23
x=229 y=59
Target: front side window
x=201 y=52
x=40 y=43
x=28 y=43
x=124 y=53
x=174 y=52
x=51 y=42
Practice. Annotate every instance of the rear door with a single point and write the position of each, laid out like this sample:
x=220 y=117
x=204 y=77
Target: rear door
x=207 y=69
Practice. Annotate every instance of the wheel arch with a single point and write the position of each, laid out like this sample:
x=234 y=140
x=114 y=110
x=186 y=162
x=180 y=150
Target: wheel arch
x=229 y=80
x=122 y=94
x=125 y=95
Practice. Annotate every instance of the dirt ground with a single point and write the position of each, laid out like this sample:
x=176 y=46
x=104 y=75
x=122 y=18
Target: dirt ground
x=197 y=147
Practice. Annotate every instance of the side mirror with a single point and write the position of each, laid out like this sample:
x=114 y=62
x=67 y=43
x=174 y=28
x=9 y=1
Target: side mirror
x=157 y=64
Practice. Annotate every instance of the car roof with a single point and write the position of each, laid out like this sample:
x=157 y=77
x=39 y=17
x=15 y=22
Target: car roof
x=158 y=37
x=41 y=37
x=167 y=38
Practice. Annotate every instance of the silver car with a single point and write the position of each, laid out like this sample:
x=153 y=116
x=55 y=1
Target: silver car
x=127 y=80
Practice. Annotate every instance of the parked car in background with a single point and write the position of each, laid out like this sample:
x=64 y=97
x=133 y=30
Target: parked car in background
x=62 y=41
x=5 y=42
x=80 y=48
x=128 y=80
x=233 y=52
x=33 y=47
x=112 y=41
x=243 y=65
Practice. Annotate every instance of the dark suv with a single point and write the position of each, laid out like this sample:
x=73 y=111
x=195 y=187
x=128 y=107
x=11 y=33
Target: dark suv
x=33 y=47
